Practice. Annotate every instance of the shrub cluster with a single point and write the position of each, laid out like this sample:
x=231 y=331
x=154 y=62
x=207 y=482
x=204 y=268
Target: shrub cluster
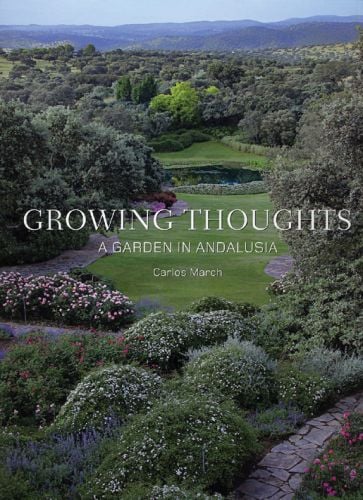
x=64 y=299
x=344 y=372
x=115 y=391
x=37 y=374
x=55 y=466
x=163 y=339
x=254 y=187
x=165 y=492
x=209 y=304
x=178 y=141
x=235 y=370
x=307 y=392
x=189 y=442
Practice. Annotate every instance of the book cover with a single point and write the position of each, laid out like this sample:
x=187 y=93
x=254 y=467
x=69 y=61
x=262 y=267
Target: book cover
x=181 y=250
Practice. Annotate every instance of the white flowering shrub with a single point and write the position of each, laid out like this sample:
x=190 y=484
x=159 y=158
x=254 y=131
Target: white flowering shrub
x=159 y=339
x=343 y=371
x=115 y=391
x=65 y=299
x=193 y=442
x=165 y=492
x=236 y=370
x=163 y=339
x=306 y=391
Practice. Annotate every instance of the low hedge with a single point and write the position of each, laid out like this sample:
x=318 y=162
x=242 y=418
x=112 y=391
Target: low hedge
x=254 y=187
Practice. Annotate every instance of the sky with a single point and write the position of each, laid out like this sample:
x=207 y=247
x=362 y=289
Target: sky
x=115 y=12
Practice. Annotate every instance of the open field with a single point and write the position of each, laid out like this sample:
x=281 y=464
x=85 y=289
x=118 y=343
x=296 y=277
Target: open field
x=211 y=152
x=243 y=274
x=5 y=67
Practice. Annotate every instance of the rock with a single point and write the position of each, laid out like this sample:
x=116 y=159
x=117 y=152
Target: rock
x=319 y=436
x=295 y=482
x=279 y=461
x=258 y=490
x=280 y=473
x=285 y=448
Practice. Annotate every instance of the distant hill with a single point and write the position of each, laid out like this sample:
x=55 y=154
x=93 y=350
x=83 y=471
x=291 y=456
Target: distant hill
x=204 y=35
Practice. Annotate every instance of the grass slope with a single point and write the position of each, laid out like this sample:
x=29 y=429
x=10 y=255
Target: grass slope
x=211 y=152
x=243 y=274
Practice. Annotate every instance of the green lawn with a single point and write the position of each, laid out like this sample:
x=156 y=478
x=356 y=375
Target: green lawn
x=243 y=274
x=5 y=67
x=211 y=152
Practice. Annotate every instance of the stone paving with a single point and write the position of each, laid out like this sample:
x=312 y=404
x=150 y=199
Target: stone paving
x=67 y=260
x=279 y=474
x=279 y=266
x=71 y=259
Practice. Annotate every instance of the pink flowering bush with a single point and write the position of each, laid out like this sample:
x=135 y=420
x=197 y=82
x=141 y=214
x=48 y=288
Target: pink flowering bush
x=63 y=299
x=339 y=472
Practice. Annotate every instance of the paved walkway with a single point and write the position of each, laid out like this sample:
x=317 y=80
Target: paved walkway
x=67 y=260
x=80 y=258
x=279 y=474
x=279 y=266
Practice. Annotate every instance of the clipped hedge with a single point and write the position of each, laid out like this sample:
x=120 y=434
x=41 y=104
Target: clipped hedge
x=254 y=187
x=236 y=142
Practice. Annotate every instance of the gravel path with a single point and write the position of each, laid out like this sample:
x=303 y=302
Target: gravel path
x=280 y=472
x=279 y=266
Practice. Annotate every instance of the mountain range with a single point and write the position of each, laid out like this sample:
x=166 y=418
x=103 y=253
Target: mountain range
x=203 y=35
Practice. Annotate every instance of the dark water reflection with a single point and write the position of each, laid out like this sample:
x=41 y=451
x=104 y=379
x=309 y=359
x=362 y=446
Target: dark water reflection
x=218 y=174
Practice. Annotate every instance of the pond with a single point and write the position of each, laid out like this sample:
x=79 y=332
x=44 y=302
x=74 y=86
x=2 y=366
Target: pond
x=216 y=174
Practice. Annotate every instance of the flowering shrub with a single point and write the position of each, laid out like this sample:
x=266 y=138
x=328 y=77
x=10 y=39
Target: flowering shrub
x=338 y=472
x=165 y=492
x=189 y=442
x=236 y=370
x=54 y=466
x=163 y=339
x=216 y=326
x=117 y=391
x=159 y=339
x=308 y=392
x=37 y=374
x=64 y=299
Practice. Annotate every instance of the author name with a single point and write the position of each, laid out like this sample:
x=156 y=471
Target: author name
x=191 y=272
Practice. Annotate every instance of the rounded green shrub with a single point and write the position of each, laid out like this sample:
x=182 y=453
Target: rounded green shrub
x=236 y=370
x=306 y=391
x=209 y=304
x=115 y=391
x=159 y=339
x=189 y=442
x=163 y=339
